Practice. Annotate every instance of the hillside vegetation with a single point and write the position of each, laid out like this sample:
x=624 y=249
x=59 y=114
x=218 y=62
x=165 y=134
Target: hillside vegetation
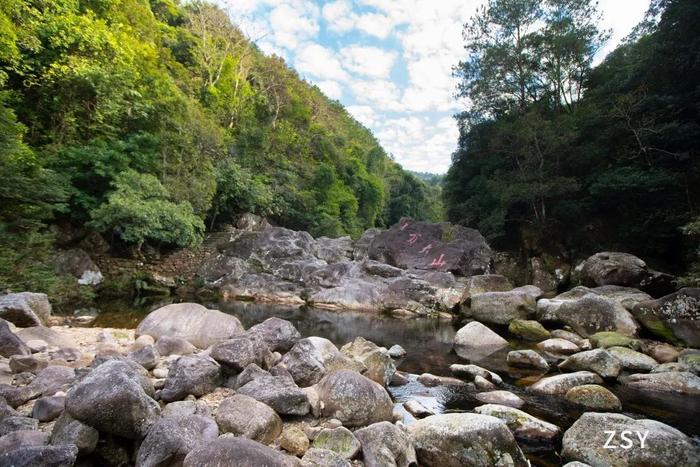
x=152 y=122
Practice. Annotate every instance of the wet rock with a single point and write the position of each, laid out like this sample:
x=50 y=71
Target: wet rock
x=167 y=345
x=430 y=380
x=280 y=393
x=146 y=356
x=237 y=451
x=339 y=440
x=528 y=330
x=170 y=439
x=506 y=398
x=25 y=309
x=10 y=344
x=379 y=365
x=396 y=351
x=192 y=322
x=10 y=424
x=294 y=441
x=323 y=458
x=470 y=372
x=115 y=398
x=417 y=409
x=22 y=440
x=560 y=384
x=674 y=317
x=197 y=375
x=632 y=360
x=238 y=352
x=588 y=437
x=244 y=416
x=477 y=336
x=354 y=399
x=558 y=346
x=524 y=426
x=588 y=315
x=67 y=431
x=677 y=382
x=280 y=335
x=604 y=340
x=597 y=360
x=28 y=363
x=35 y=456
x=594 y=397
x=526 y=359
x=503 y=307
x=459 y=439
x=48 y=408
x=385 y=444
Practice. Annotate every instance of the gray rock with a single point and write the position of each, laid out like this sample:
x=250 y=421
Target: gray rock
x=558 y=346
x=588 y=315
x=528 y=329
x=323 y=458
x=674 y=317
x=46 y=334
x=41 y=456
x=25 y=309
x=353 y=399
x=250 y=372
x=430 y=380
x=587 y=438
x=379 y=366
x=22 y=439
x=28 y=363
x=501 y=398
x=183 y=408
x=594 y=398
x=396 y=351
x=70 y=432
x=526 y=359
x=69 y=354
x=632 y=360
x=311 y=358
x=503 y=307
x=196 y=375
x=677 y=382
x=10 y=424
x=475 y=335
x=192 y=322
x=6 y=409
x=417 y=409
x=53 y=379
x=240 y=351
x=524 y=426
x=569 y=336
x=459 y=439
x=77 y=263
x=244 y=416
x=167 y=345
x=669 y=367
x=237 y=451
x=146 y=356
x=560 y=384
x=115 y=398
x=16 y=396
x=385 y=444
x=281 y=394
x=614 y=268
x=48 y=408
x=340 y=440
x=691 y=359
x=485 y=283
x=170 y=439
x=10 y=344
x=280 y=335
x=597 y=360
x=294 y=441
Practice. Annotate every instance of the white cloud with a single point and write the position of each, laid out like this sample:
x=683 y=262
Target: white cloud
x=319 y=62
x=380 y=94
x=369 y=61
x=339 y=16
x=292 y=25
x=375 y=24
x=363 y=114
x=331 y=89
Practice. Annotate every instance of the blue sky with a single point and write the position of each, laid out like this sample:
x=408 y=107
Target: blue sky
x=388 y=61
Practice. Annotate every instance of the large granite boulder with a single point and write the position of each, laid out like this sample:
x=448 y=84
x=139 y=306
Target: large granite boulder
x=475 y=339
x=238 y=352
x=460 y=439
x=192 y=322
x=560 y=384
x=594 y=398
x=116 y=398
x=244 y=416
x=278 y=392
x=589 y=440
x=170 y=439
x=674 y=317
x=239 y=452
x=379 y=366
x=422 y=245
x=353 y=399
x=340 y=440
x=613 y=268
x=280 y=335
x=386 y=444
x=25 y=309
x=524 y=426
x=502 y=307
x=679 y=382
x=196 y=375
x=597 y=360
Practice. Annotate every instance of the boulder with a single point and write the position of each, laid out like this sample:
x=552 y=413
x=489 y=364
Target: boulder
x=280 y=393
x=16 y=396
x=594 y=398
x=632 y=360
x=311 y=358
x=18 y=423
x=606 y=339
x=662 y=352
x=430 y=380
x=353 y=399
x=146 y=356
x=25 y=309
x=70 y=432
x=459 y=439
x=691 y=359
x=244 y=416
x=39 y=456
x=323 y=458
x=192 y=322
x=558 y=346
x=485 y=283
x=10 y=344
x=560 y=384
x=385 y=444
x=379 y=366
x=677 y=382
x=170 y=439
x=528 y=330
x=613 y=268
x=470 y=372
x=182 y=408
x=422 y=245
x=569 y=336
x=294 y=441
x=674 y=317
x=240 y=351
x=237 y=451
x=250 y=372
x=28 y=363
x=527 y=359
x=77 y=263
x=166 y=346
x=116 y=398
x=46 y=334
x=396 y=351
x=506 y=398
x=53 y=379
x=475 y=335
x=417 y=409
x=588 y=440
x=48 y=408
x=21 y=440
x=588 y=314
x=196 y=375
x=339 y=440
x=280 y=335
x=503 y=307
x=524 y=426
x=597 y=360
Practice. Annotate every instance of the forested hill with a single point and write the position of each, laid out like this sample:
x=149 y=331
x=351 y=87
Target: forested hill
x=151 y=121
x=557 y=156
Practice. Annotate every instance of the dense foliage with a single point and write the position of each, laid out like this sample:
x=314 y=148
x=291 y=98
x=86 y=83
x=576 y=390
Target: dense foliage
x=556 y=156
x=149 y=119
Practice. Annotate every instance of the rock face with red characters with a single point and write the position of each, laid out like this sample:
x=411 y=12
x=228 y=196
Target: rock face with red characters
x=415 y=267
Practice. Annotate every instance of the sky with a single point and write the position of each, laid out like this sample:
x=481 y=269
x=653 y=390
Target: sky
x=389 y=62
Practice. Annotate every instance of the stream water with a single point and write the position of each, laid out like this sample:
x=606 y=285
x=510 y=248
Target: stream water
x=428 y=343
